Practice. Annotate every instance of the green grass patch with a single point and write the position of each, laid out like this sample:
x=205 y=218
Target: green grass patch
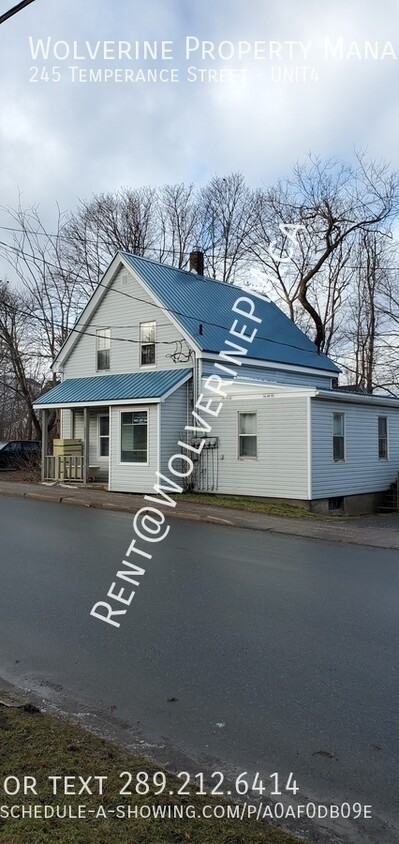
x=252 y=505
x=40 y=745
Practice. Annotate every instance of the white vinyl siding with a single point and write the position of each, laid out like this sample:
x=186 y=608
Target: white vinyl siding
x=133 y=477
x=277 y=375
x=362 y=471
x=123 y=315
x=173 y=420
x=281 y=467
x=66 y=425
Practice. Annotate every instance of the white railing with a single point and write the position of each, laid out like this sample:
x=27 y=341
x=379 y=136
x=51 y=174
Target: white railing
x=65 y=467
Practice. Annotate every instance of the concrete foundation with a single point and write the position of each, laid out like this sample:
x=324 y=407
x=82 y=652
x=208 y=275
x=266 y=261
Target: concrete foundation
x=350 y=505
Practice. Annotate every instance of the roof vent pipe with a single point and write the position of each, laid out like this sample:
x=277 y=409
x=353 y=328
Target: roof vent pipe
x=197 y=262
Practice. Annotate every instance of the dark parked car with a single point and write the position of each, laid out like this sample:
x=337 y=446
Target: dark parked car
x=15 y=454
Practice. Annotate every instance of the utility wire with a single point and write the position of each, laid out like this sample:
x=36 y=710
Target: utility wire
x=173 y=312
x=14 y=10
x=153 y=249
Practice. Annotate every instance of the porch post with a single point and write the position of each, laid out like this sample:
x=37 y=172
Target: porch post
x=86 y=444
x=44 y=441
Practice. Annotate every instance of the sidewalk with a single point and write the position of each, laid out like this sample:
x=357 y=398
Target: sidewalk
x=372 y=531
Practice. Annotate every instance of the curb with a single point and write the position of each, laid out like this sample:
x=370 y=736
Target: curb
x=206 y=517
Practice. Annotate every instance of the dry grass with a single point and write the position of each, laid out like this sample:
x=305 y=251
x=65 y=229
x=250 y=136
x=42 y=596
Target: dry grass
x=253 y=505
x=43 y=746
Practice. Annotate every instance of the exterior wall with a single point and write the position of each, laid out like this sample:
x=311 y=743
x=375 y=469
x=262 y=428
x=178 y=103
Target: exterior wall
x=173 y=419
x=77 y=431
x=281 y=468
x=126 y=477
x=274 y=376
x=66 y=424
x=352 y=505
x=116 y=310
x=362 y=471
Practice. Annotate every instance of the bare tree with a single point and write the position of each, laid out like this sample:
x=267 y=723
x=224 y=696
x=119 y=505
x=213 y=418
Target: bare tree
x=226 y=209
x=18 y=382
x=54 y=290
x=126 y=220
x=333 y=201
x=178 y=223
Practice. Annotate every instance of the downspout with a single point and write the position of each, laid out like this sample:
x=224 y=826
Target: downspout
x=309 y=447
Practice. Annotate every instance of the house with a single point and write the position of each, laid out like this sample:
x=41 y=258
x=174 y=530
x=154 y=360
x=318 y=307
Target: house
x=154 y=341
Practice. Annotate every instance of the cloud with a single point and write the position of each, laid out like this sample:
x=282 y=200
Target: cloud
x=64 y=140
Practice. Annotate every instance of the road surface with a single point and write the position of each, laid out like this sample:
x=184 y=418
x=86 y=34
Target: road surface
x=281 y=653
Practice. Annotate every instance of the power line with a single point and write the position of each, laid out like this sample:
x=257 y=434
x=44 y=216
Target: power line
x=14 y=10
x=94 y=242
x=165 y=309
x=157 y=251
x=59 y=325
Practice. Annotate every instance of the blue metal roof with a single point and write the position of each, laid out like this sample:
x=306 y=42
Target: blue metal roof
x=199 y=301
x=103 y=388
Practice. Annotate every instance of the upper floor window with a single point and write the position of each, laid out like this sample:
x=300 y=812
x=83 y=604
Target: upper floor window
x=103 y=341
x=338 y=437
x=382 y=438
x=247 y=435
x=147 y=343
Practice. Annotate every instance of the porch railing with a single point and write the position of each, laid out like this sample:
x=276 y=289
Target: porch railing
x=64 y=467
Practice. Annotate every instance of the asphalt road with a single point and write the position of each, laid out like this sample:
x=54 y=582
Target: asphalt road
x=279 y=651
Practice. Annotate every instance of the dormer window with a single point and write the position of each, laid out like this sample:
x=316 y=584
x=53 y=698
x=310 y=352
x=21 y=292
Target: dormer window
x=103 y=342
x=147 y=343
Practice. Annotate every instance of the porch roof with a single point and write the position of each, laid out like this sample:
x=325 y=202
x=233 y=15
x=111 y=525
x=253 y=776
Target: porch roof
x=104 y=389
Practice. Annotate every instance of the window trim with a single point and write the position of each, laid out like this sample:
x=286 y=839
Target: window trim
x=133 y=409
x=98 y=334
x=339 y=459
x=386 y=458
x=141 y=344
x=103 y=436
x=247 y=457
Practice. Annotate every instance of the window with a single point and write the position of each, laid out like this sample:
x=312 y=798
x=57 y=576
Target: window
x=336 y=503
x=103 y=340
x=134 y=437
x=382 y=438
x=338 y=437
x=147 y=343
x=247 y=438
x=103 y=436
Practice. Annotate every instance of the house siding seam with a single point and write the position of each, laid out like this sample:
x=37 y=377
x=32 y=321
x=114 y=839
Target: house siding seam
x=271 y=376
x=281 y=468
x=362 y=471
x=174 y=415
x=66 y=424
x=114 y=311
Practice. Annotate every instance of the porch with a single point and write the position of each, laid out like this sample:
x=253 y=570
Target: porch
x=121 y=428
x=81 y=456
x=68 y=467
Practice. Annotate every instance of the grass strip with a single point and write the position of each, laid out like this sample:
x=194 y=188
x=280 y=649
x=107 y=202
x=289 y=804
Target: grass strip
x=40 y=745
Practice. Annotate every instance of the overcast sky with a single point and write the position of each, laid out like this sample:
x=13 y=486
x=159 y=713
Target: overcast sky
x=61 y=140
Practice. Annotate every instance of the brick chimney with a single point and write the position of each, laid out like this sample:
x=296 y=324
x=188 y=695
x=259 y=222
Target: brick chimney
x=197 y=262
